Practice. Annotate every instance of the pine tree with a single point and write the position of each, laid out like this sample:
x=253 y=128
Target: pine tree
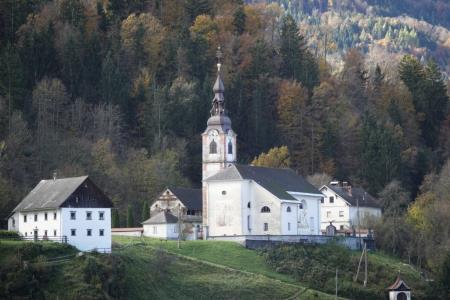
x=239 y=19
x=130 y=218
x=145 y=212
x=115 y=220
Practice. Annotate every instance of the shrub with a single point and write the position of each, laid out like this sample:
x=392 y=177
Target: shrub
x=6 y=234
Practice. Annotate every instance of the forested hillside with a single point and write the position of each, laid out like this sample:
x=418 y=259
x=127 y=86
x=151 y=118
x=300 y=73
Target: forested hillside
x=121 y=90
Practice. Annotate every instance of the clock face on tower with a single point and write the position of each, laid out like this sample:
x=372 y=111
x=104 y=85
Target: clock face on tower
x=213 y=133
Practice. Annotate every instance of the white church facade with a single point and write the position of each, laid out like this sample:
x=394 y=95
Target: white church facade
x=248 y=200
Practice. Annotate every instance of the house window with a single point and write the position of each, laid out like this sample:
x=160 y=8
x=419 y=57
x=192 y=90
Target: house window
x=300 y=206
x=88 y=215
x=54 y=232
x=24 y=218
x=230 y=148
x=155 y=229
x=73 y=215
x=288 y=209
x=341 y=213
x=101 y=232
x=73 y=232
x=248 y=205
x=248 y=224
x=328 y=214
x=35 y=218
x=54 y=216
x=321 y=200
x=175 y=229
x=13 y=222
x=45 y=232
x=265 y=209
x=101 y=215
x=26 y=233
x=213 y=147
x=89 y=232
x=289 y=226
x=331 y=199
x=341 y=227
x=224 y=192
x=266 y=226
x=45 y=216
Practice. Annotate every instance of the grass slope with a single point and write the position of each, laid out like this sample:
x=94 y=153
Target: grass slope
x=139 y=271
x=220 y=255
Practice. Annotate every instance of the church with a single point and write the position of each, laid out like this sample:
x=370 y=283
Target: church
x=243 y=200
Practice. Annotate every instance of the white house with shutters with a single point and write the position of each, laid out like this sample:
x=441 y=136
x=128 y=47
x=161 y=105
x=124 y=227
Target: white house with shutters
x=347 y=207
x=72 y=210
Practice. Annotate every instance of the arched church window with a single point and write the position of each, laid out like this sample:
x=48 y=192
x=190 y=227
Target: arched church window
x=248 y=205
x=265 y=209
x=230 y=148
x=300 y=206
x=213 y=147
x=401 y=296
x=288 y=209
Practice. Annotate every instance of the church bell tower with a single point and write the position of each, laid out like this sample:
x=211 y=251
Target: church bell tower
x=218 y=140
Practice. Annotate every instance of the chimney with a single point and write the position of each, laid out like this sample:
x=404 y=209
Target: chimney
x=54 y=175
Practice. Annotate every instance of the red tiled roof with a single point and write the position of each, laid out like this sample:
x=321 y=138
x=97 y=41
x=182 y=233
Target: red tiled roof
x=399 y=285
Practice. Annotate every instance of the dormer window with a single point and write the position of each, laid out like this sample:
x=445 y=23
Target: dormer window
x=230 y=148
x=213 y=147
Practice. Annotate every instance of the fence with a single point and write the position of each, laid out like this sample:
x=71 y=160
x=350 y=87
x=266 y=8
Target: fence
x=263 y=241
x=33 y=238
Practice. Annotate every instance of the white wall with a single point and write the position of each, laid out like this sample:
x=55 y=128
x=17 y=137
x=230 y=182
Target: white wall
x=224 y=210
x=261 y=197
x=81 y=240
x=27 y=228
x=163 y=231
x=339 y=205
x=289 y=218
x=309 y=216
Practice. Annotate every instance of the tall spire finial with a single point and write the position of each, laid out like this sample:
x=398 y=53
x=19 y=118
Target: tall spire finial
x=219 y=56
x=218 y=101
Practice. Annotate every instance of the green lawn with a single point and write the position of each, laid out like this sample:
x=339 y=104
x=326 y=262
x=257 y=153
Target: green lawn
x=228 y=254
x=185 y=279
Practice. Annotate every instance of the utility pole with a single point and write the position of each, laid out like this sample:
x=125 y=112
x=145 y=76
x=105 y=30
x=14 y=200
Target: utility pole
x=179 y=226
x=336 y=280
x=359 y=222
x=365 y=265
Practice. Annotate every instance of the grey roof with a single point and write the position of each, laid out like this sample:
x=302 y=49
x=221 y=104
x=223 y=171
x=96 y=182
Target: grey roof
x=163 y=217
x=365 y=199
x=50 y=193
x=277 y=181
x=191 y=198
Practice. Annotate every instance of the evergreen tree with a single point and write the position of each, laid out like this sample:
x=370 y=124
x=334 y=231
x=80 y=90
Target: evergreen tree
x=239 y=19
x=115 y=220
x=145 y=212
x=130 y=218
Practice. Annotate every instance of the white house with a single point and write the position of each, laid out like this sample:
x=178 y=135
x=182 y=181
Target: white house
x=185 y=203
x=343 y=204
x=72 y=210
x=162 y=225
x=247 y=200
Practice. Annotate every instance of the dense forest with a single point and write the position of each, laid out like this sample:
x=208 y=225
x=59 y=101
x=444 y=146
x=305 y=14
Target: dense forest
x=121 y=90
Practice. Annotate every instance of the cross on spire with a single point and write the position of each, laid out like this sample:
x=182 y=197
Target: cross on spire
x=219 y=56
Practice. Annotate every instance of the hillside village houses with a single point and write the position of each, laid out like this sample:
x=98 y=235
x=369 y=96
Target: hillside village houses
x=348 y=208
x=72 y=210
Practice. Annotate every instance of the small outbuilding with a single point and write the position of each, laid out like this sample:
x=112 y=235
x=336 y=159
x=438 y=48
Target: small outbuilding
x=399 y=290
x=162 y=225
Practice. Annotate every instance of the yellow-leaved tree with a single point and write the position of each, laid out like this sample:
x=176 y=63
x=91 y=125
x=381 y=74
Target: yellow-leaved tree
x=277 y=157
